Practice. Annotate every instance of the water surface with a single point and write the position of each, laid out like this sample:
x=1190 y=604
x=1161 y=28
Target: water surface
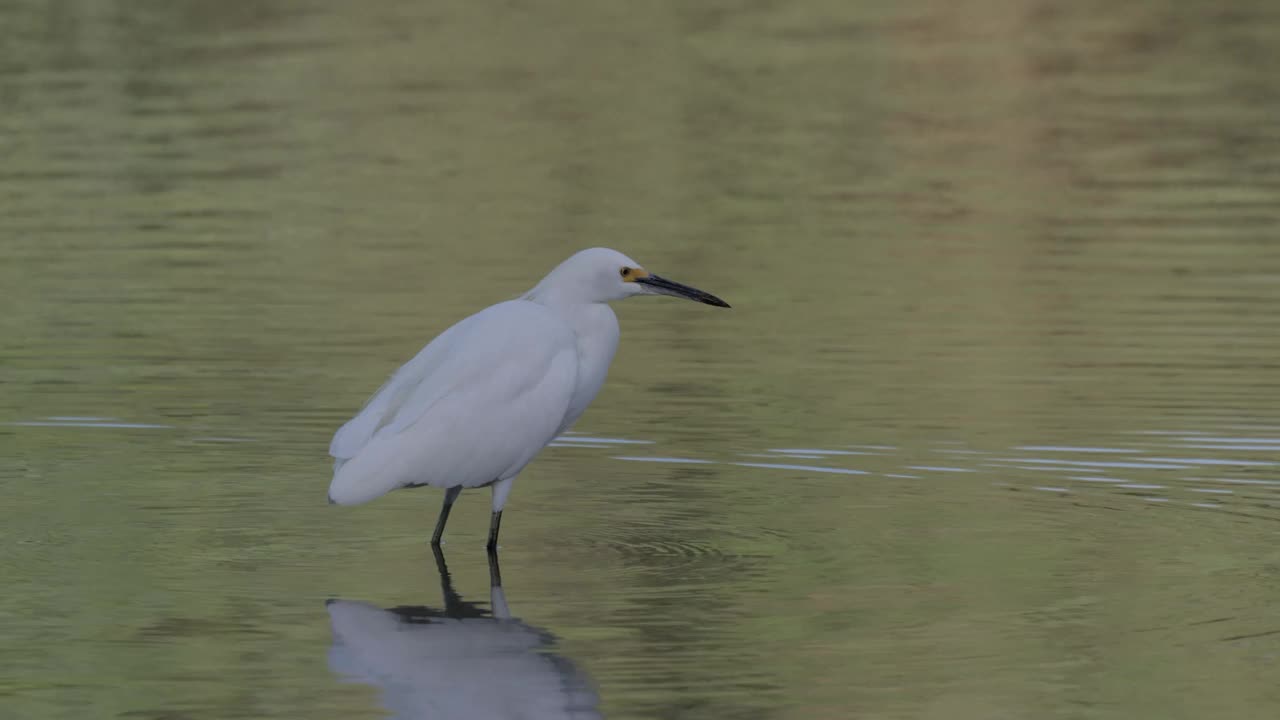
x=991 y=431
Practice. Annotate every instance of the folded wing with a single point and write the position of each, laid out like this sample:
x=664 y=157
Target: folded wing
x=474 y=406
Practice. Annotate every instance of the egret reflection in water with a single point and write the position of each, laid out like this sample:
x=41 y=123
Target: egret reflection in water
x=458 y=661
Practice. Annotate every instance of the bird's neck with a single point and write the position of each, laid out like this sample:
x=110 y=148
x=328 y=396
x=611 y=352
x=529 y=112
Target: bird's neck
x=585 y=318
x=557 y=298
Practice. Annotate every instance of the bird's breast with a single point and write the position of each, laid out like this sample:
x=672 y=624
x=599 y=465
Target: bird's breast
x=596 y=328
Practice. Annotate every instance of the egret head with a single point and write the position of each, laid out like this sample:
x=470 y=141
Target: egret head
x=603 y=275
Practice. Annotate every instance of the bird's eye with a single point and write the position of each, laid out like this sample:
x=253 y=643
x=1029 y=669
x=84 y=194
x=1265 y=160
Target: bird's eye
x=624 y=272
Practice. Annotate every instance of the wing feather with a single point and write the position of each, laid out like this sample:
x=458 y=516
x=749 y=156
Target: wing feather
x=472 y=407
x=431 y=362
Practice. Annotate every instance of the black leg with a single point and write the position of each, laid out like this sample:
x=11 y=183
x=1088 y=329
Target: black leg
x=495 y=521
x=495 y=572
x=454 y=606
x=450 y=495
x=442 y=568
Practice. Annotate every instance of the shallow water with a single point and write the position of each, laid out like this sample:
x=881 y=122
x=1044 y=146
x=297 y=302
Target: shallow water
x=991 y=431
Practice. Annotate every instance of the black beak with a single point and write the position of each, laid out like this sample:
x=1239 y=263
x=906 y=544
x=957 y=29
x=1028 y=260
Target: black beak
x=663 y=286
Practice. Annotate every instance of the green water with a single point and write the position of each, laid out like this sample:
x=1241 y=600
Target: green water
x=992 y=431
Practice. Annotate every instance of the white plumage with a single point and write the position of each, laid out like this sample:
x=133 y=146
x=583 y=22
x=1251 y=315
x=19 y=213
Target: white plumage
x=475 y=405
x=420 y=429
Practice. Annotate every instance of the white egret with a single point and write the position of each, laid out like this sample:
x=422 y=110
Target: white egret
x=475 y=405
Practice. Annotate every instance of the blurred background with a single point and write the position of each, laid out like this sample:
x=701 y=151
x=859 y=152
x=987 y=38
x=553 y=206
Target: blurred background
x=991 y=431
